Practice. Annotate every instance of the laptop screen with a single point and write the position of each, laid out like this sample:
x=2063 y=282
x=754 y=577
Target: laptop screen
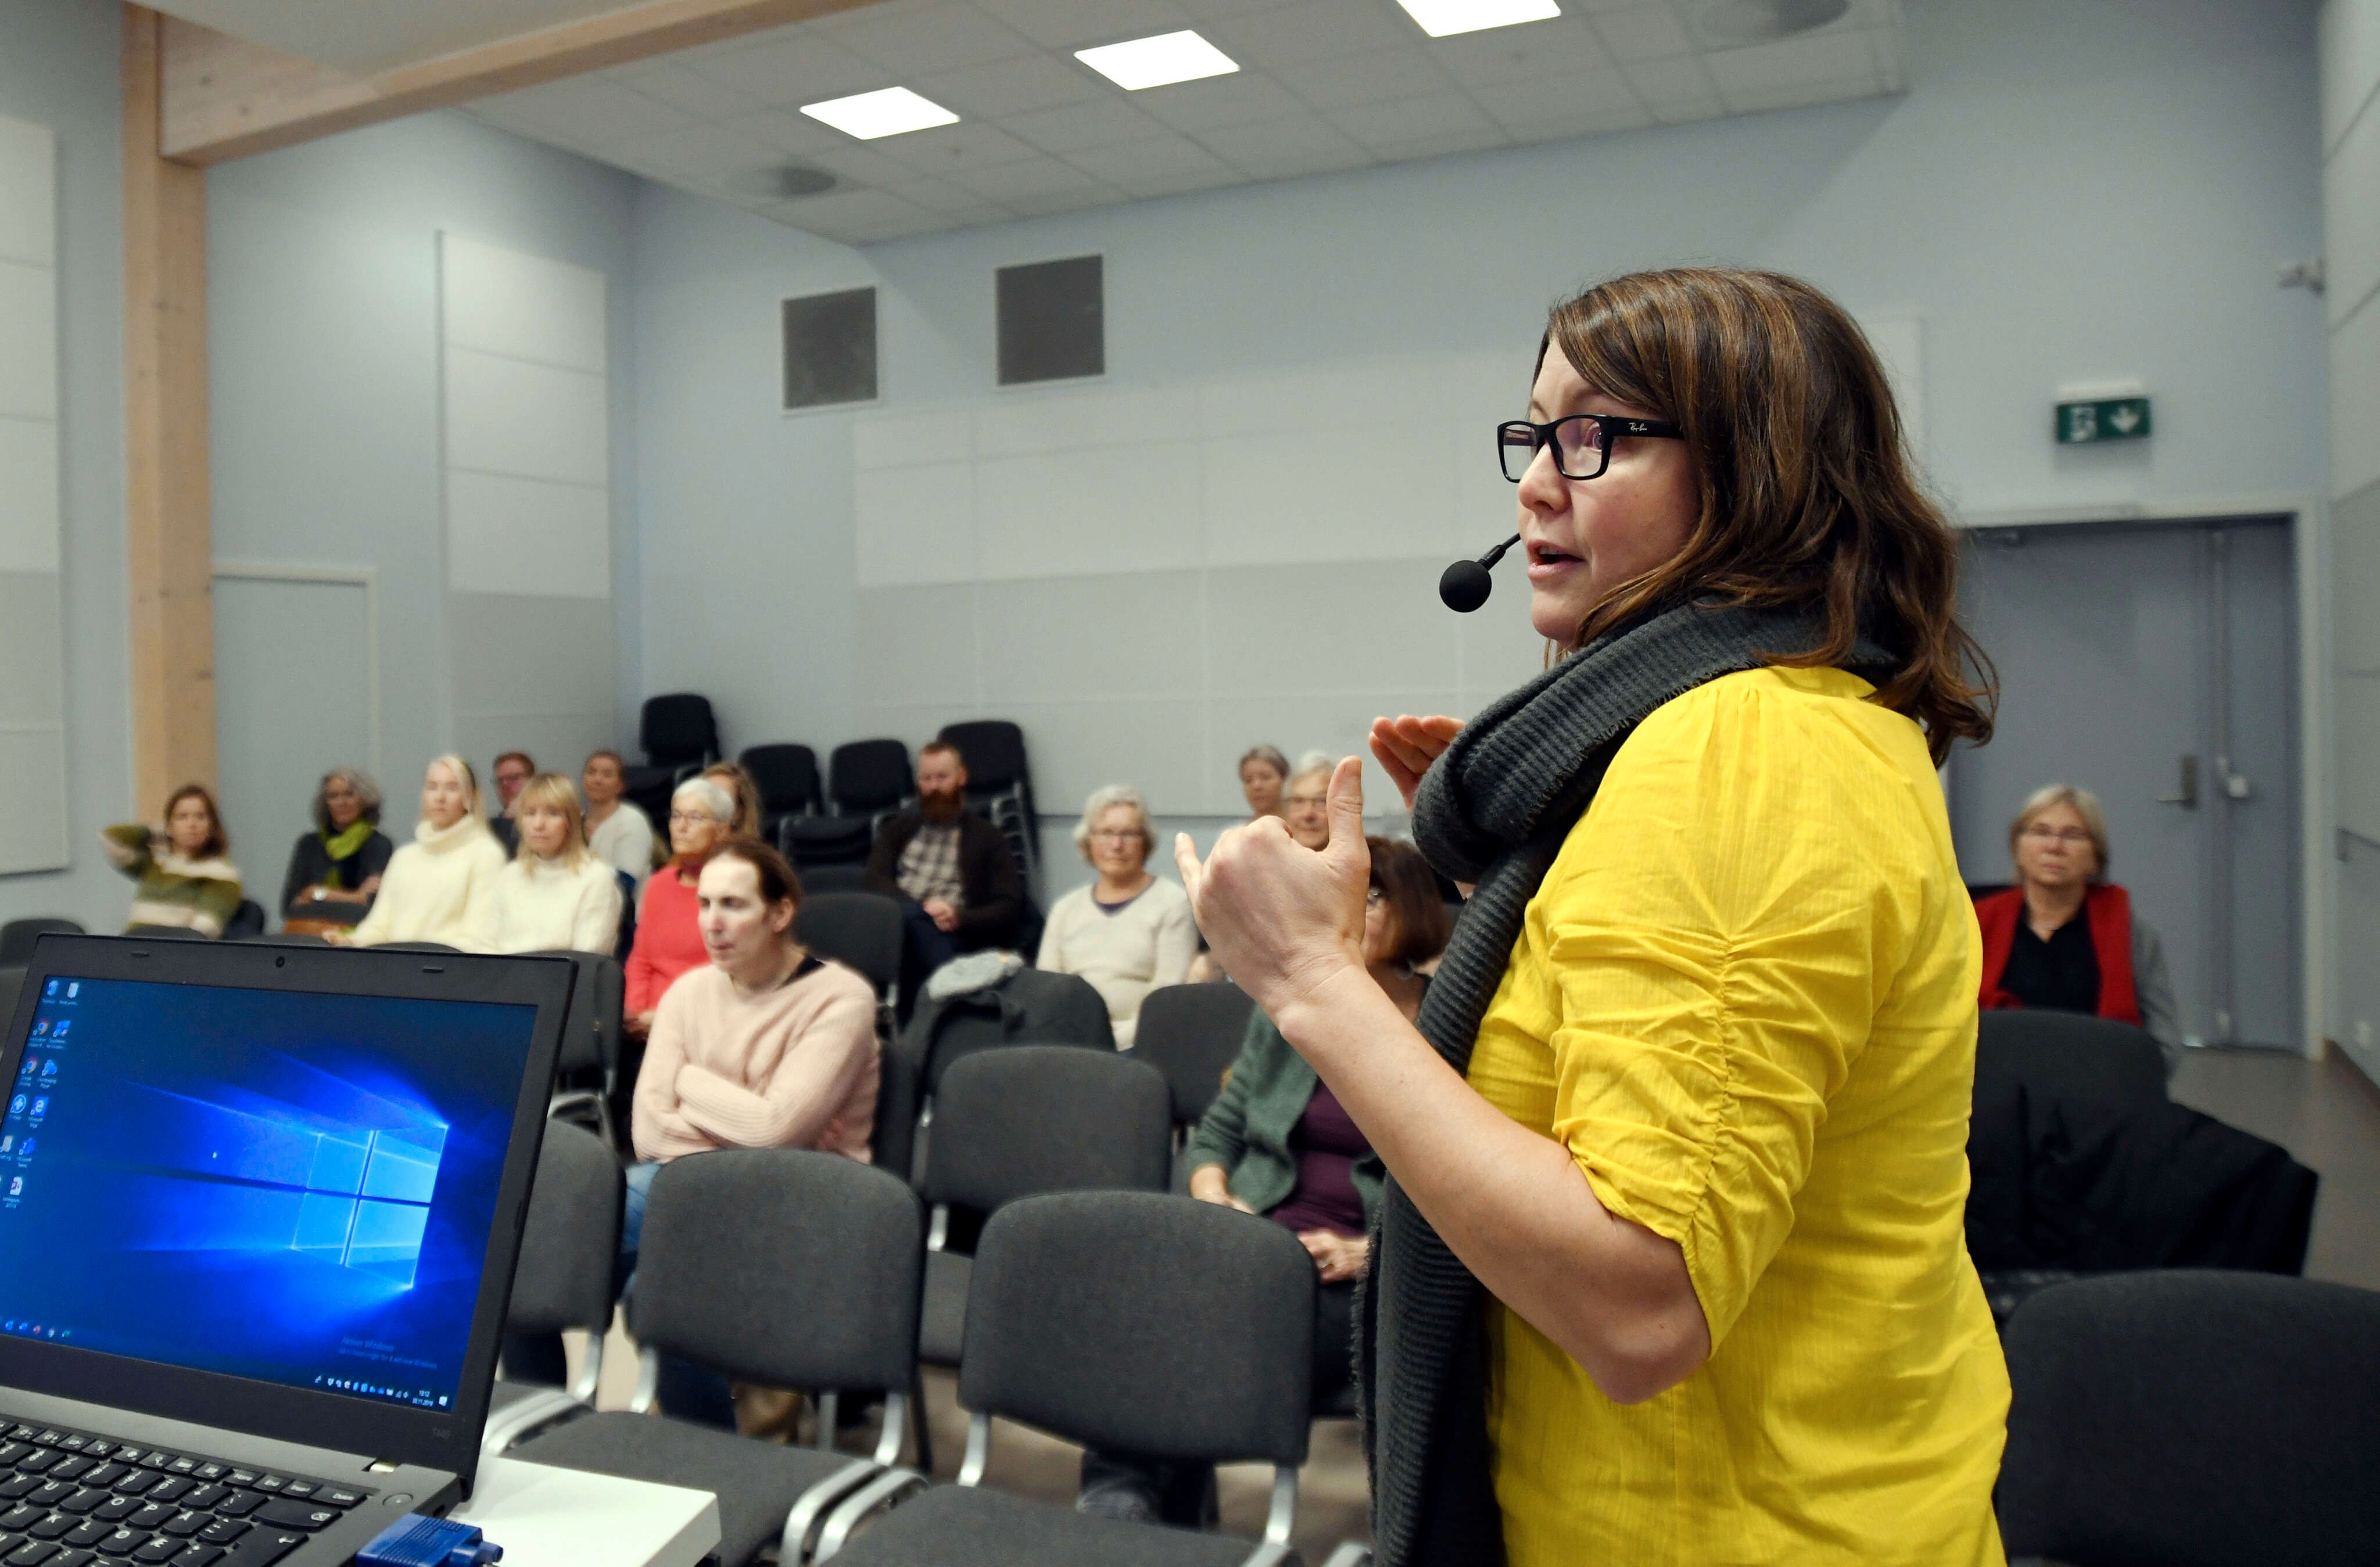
x=287 y=1186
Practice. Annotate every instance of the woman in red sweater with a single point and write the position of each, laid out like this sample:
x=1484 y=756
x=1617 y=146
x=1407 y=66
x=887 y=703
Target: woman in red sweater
x=669 y=936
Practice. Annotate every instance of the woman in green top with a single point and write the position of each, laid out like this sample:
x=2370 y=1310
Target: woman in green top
x=185 y=879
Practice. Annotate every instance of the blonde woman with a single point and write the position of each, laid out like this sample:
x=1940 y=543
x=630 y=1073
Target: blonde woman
x=1128 y=932
x=556 y=892
x=437 y=888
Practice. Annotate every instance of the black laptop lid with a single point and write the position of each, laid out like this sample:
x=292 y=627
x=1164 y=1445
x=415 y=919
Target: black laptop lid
x=278 y=1190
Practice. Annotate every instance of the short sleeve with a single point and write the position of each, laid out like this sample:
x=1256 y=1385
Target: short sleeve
x=1721 y=932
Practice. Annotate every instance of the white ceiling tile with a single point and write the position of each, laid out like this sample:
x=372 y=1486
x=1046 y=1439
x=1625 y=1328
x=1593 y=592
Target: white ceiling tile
x=909 y=227
x=1093 y=195
x=1018 y=185
x=1447 y=122
x=1552 y=107
x=792 y=66
x=843 y=209
x=1001 y=89
x=1643 y=32
x=1799 y=95
x=1071 y=24
x=591 y=110
x=1827 y=57
x=857 y=164
x=1152 y=167
x=1208 y=10
x=918 y=40
x=1342 y=81
x=949 y=201
x=966 y=145
x=708 y=152
x=680 y=88
x=1676 y=91
x=1562 y=46
x=1312 y=30
x=1299 y=144
x=1218 y=100
x=788 y=132
x=1083 y=125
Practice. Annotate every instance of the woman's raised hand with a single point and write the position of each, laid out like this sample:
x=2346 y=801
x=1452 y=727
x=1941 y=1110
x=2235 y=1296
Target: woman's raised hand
x=1405 y=745
x=1283 y=918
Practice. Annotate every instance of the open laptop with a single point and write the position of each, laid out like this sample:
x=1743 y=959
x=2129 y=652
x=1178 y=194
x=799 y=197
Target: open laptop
x=259 y=1211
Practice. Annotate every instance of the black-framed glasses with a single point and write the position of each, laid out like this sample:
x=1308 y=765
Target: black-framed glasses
x=1582 y=443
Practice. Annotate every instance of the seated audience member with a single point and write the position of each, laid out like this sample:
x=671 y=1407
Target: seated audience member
x=616 y=828
x=437 y=887
x=556 y=893
x=742 y=788
x=186 y=879
x=335 y=869
x=1263 y=771
x=2064 y=938
x=767 y=1046
x=511 y=771
x=1305 y=800
x=958 y=884
x=669 y=936
x=1128 y=932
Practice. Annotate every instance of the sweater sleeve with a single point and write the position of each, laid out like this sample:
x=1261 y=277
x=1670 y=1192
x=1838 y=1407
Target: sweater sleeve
x=375 y=926
x=1052 y=956
x=1177 y=945
x=814 y=1079
x=1221 y=1135
x=597 y=925
x=128 y=848
x=218 y=901
x=2152 y=989
x=657 y=1126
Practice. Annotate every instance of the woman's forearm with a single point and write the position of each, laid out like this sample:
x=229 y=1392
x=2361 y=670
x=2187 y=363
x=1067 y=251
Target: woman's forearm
x=1513 y=1206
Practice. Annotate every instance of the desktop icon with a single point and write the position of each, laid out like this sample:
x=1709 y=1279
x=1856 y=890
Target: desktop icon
x=17 y=1105
x=16 y=1185
x=7 y=1141
x=40 y=1026
x=41 y=1106
x=60 y=1031
x=74 y=989
x=28 y=1149
x=51 y=988
x=50 y=1067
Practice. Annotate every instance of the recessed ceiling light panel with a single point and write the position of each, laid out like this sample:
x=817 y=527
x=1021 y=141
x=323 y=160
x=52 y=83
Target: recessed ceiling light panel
x=889 y=112
x=1444 y=18
x=1157 y=62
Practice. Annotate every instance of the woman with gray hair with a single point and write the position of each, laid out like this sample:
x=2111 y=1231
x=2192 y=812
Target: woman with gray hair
x=1305 y=800
x=335 y=871
x=1128 y=932
x=2065 y=937
x=669 y=935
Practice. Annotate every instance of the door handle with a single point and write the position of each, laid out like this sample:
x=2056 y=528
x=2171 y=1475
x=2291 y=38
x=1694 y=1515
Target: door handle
x=2188 y=798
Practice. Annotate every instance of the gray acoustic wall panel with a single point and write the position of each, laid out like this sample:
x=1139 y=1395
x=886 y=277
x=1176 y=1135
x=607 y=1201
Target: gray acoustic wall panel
x=1052 y=319
x=33 y=637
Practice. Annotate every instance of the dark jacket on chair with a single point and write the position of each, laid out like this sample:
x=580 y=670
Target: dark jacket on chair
x=992 y=888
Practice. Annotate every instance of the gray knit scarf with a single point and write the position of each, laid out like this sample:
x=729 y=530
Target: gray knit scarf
x=1494 y=810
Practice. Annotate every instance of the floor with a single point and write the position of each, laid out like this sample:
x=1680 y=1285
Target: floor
x=2324 y=1112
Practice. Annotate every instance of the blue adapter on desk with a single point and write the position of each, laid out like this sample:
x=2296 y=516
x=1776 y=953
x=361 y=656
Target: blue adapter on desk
x=416 y=1541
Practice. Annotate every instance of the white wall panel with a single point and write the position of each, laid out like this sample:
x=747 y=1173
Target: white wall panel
x=1898 y=343
x=2355 y=400
x=917 y=645
x=29 y=341
x=1157 y=746
x=523 y=306
x=531 y=536
x=32 y=648
x=510 y=415
x=2359 y=754
x=915 y=524
x=1353 y=625
x=1100 y=509
x=28 y=193
x=1382 y=489
x=2350 y=63
x=1499 y=648
x=29 y=495
x=1063 y=638
x=34 y=782
x=892 y=441
x=2350 y=188
x=1076 y=421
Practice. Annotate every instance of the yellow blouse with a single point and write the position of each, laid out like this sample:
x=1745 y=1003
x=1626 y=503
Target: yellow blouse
x=1744 y=1000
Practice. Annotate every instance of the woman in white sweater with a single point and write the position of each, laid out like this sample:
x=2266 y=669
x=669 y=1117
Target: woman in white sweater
x=1129 y=932
x=437 y=887
x=557 y=894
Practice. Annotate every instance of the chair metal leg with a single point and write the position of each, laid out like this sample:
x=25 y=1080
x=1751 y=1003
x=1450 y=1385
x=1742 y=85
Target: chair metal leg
x=884 y=1489
x=978 y=1449
x=1351 y=1553
x=829 y=1409
x=517 y=1421
x=802 y=1520
x=648 y=1382
x=925 y=1428
x=590 y=1369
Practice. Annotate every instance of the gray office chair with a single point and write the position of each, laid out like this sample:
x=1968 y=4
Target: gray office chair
x=1128 y=1321
x=862 y=931
x=570 y=1246
x=2193 y=1419
x=2069 y=1054
x=16 y=937
x=784 y=1267
x=590 y=1043
x=1192 y=1034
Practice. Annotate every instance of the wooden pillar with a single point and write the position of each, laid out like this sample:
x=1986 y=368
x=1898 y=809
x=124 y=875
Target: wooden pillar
x=169 y=549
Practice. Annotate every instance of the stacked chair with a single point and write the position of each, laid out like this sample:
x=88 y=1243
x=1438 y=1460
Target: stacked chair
x=789 y=787
x=679 y=736
x=867 y=781
x=16 y=937
x=999 y=784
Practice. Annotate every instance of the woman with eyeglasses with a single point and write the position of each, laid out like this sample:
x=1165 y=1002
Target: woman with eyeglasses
x=1128 y=932
x=2064 y=938
x=669 y=923
x=1671 y=1265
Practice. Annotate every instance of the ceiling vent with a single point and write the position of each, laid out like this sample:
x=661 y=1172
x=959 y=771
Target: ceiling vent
x=1733 y=24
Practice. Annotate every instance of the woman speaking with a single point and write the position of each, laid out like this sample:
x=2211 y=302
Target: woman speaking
x=1671 y=1267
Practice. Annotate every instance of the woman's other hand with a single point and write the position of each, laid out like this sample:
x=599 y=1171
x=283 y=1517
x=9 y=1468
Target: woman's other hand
x=1208 y=1184
x=1283 y=919
x=1405 y=745
x=1337 y=1258
x=639 y=1023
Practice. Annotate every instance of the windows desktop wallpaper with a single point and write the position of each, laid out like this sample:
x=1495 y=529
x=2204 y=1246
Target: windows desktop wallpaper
x=292 y=1188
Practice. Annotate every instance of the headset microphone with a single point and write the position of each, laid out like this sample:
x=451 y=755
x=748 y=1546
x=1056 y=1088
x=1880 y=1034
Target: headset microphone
x=1465 y=584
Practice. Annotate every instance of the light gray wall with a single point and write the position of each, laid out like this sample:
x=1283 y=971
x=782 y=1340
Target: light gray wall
x=2351 y=145
x=322 y=279
x=2072 y=190
x=58 y=67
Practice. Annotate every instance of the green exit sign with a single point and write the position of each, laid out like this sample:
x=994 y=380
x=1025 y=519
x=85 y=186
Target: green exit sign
x=2105 y=419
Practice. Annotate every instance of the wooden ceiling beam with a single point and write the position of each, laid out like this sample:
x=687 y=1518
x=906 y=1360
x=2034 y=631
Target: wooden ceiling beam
x=226 y=98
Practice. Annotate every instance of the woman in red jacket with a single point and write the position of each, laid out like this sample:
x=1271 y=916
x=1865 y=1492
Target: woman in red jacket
x=669 y=940
x=2065 y=939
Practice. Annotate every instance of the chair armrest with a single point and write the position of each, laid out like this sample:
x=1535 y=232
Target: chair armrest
x=884 y=1490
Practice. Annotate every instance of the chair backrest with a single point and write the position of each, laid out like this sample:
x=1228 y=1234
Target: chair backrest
x=247 y=921
x=994 y=749
x=785 y=1266
x=2191 y=1418
x=677 y=729
x=818 y=843
x=869 y=775
x=1018 y=1123
x=1192 y=1034
x=2069 y=1054
x=16 y=937
x=1032 y=1006
x=862 y=929
x=788 y=777
x=818 y=880
x=571 y=1239
x=599 y=997
x=1143 y=1322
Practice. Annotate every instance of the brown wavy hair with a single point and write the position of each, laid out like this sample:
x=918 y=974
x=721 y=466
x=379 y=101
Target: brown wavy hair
x=1808 y=496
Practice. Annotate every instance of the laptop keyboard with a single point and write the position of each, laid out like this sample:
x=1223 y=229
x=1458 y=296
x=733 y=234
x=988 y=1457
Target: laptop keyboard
x=68 y=1498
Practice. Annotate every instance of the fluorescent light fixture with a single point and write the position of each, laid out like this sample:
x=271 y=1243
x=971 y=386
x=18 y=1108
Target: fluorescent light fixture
x=1444 y=18
x=1155 y=62
x=887 y=112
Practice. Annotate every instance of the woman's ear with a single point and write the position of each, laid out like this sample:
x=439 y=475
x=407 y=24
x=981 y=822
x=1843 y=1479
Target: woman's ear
x=781 y=915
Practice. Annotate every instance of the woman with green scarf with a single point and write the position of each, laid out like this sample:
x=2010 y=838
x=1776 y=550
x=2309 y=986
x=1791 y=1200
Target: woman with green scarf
x=335 y=871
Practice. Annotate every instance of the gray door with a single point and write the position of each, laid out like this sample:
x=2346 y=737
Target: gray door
x=293 y=699
x=2155 y=665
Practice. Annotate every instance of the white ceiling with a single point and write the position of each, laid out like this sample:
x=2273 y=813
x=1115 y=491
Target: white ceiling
x=364 y=36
